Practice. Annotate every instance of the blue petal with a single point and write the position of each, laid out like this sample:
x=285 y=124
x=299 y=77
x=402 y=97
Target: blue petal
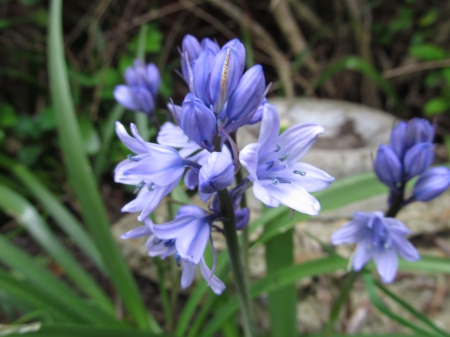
x=349 y=233
x=388 y=167
x=201 y=74
x=214 y=282
x=188 y=274
x=387 y=264
x=295 y=197
x=313 y=180
x=418 y=158
x=217 y=174
x=362 y=254
x=124 y=96
x=432 y=183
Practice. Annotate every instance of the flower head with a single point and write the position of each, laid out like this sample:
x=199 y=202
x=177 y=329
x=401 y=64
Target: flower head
x=273 y=167
x=377 y=238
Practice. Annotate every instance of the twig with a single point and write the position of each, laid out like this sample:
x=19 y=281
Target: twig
x=304 y=13
x=292 y=32
x=150 y=16
x=416 y=67
x=263 y=40
x=208 y=18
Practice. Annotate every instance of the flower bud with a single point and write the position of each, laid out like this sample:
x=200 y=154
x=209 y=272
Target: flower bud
x=417 y=159
x=242 y=217
x=217 y=174
x=247 y=95
x=191 y=45
x=388 y=167
x=201 y=74
x=240 y=50
x=224 y=77
x=154 y=79
x=134 y=98
x=210 y=44
x=418 y=130
x=141 y=75
x=259 y=113
x=397 y=141
x=432 y=183
x=198 y=122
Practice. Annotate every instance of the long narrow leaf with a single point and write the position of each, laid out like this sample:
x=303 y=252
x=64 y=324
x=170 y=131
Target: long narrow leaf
x=65 y=220
x=71 y=330
x=410 y=309
x=275 y=281
x=63 y=296
x=283 y=301
x=378 y=303
x=29 y=293
x=26 y=214
x=81 y=176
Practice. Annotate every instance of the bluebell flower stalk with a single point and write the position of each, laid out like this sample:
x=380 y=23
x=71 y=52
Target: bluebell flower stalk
x=379 y=238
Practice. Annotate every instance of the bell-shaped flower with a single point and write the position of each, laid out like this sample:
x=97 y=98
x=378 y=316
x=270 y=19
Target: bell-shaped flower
x=198 y=122
x=377 y=238
x=240 y=50
x=172 y=135
x=273 y=167
x=417 y=159
x=142 y=75
x=397 y=140
x=155 y=169
x=190 y=229
x=246 y=98
x=388 y=167
x=224 y=76
x=134 y=98
x=217 y=173
x=191 y=46
x=432 y=183
x=188 y=276
x=418 y=130
x=207 y=43
x=201 y=74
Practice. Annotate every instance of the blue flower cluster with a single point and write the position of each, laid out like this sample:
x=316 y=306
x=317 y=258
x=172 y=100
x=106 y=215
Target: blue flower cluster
x=200 y=151
x=381 y=237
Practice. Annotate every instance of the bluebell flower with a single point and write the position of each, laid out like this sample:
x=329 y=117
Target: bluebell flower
x=191 y=47
x=173 y=136
x=417 y=159
x=377 y=238
x=154 y=169
x=432 y=183
x=246 y=99
x=273 y=167
x=397 y=141
x=388 y=167
x=164 y=248
x=217 y=173
x=143 y=82
x=191 y=230
x=418 y=130
x=198 y=122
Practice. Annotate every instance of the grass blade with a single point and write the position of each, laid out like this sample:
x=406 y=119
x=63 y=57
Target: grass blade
x=80 y=174
x=26 y=214
x=62 y=297
x=410 y=309
x=378 y=303
x=71 y=330
x=65 y=220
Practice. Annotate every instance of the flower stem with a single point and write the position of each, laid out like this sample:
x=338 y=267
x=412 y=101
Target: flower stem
x=397 y=202
x=229 y=231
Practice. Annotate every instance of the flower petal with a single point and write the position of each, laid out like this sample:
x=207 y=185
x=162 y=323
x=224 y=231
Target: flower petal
x=214 y=282
x=311 y=178
x=294 y=196
x=387 y=264
x=124 y=96
x=270 y=128
x=348 y=233
x=188 y=274
x=362 y=254
x=248 y=157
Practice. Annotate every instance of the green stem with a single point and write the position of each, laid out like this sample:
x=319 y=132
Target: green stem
x=397 y=203
x=164 y=296
x=340 y=301
x=229 y=231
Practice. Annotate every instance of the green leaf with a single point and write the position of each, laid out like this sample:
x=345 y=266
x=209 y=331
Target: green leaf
x=91 y=140
x=378 y=303
x=80 y=174
x=152 y=42
x=26 y=214
x=283 y=301
x=47 y=119
x=275 y=281
x=410 y=309
x=358 y=64
x=28 y=155
x=446 y=75
x=51 y=287
x=429 y=18
x=427 y=52
x=8 y=116
x=436 y=106
x=71 y=330
x=65 y=220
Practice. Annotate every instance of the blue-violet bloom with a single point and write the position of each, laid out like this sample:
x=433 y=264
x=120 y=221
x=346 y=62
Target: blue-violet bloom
x=377 y=238
x=432 y=183
x=273 y=167
x=217 y=173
